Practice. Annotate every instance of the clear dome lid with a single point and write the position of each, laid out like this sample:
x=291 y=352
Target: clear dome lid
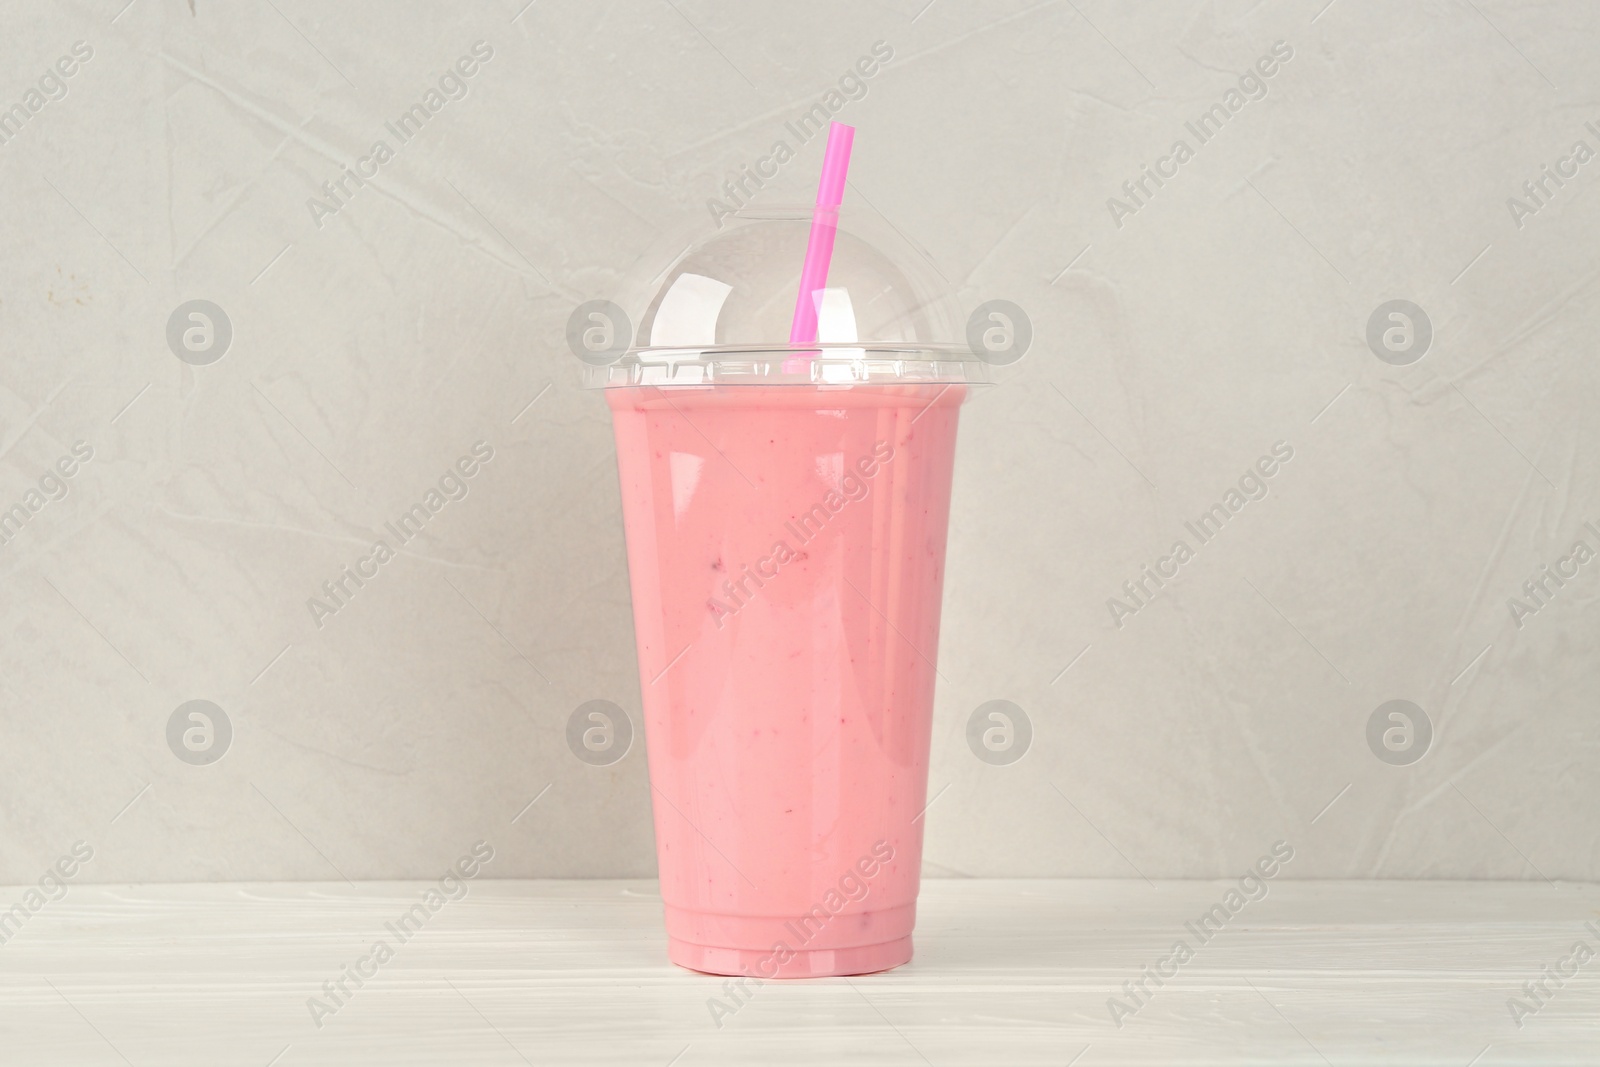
x=718 y=310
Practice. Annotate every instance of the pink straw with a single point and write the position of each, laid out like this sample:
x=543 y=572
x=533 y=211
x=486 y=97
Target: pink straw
x=824 y=223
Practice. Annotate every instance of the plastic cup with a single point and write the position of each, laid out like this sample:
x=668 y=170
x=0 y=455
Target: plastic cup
x=785 y=523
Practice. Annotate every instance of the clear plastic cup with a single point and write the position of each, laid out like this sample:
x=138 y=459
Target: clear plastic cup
x=785 y=513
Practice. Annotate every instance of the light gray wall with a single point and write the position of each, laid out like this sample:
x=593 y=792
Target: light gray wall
x=371 y=351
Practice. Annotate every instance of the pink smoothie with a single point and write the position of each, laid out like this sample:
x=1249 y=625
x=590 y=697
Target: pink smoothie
x=786 y=552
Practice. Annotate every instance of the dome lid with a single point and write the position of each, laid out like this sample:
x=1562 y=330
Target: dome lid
x=718 y=311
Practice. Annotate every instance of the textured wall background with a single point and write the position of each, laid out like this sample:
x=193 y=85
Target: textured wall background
x=373 y=345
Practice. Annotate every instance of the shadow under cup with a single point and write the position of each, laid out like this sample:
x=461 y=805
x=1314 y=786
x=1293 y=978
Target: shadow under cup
x=786 y=553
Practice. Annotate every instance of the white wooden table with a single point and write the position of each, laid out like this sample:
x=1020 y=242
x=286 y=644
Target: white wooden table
x=1006 y=972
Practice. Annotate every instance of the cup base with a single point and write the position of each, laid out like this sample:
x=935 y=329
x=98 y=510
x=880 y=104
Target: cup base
x=806 y=963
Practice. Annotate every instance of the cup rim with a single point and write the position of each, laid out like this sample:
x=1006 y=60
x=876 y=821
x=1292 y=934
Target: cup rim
x=820 y=364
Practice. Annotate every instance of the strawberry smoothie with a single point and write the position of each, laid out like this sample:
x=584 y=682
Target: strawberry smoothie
x=786 y=548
